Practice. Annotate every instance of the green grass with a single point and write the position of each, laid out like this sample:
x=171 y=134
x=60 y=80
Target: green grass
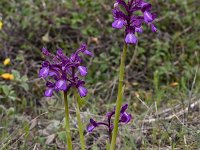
x=159 y=60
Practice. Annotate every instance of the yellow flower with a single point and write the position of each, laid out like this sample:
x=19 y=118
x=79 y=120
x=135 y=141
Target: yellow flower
x=1 y=24
x=7 y=76
x=6 y=61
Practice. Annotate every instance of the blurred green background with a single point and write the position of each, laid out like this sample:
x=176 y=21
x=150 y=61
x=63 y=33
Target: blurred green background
x=162 y=74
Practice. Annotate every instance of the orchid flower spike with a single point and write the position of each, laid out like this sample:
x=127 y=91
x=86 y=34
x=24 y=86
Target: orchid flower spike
x=62 y=72
x=131 y=22
x=124 y=119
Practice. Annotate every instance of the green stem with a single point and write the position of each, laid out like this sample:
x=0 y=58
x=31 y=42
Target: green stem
x=67 y=126
x=80 y=124
x=119 y=98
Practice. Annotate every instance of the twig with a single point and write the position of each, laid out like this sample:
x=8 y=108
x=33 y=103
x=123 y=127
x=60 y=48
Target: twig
x=181 y=112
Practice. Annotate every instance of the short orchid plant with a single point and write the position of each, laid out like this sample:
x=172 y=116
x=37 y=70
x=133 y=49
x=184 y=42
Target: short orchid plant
x=124 y=119
x=64 y=73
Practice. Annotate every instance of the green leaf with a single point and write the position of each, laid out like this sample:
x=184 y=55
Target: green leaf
x=1 y=71
x=2 y=108
x=25 y=86
x=62 y=135
x=10 y=111
x=16 y=74
x=6 y=89
x=24 y=78
x=20 y=57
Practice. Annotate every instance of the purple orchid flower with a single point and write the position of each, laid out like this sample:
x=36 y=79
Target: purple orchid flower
x=124 y=119
x=63 y=72
x=130 y=21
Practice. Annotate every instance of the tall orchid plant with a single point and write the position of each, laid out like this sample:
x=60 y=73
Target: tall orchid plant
x=125 y=17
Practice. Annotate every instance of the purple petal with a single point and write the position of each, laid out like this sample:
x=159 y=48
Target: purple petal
x=45 y=51
x=153 y=28
x=145 y=6
x=119 y=23
x=50 y=84
x=147 y=17
x=49 y=92
x=125 y=118
x=137 y=21
x=61 y=85
x=92 y=125
x=123 y=3
x=124 y=108
x=44 y=72
x=110 y=114
x=82 y=91
x=73 y=56
x=83 y=47
x=90 y=128
x=116 y=4
x=52 y=73
x=45 y=64
x=68 y=71
x=93 y=122
x=88 y=53
x=130 y=38
x=59 y=52
x=154 y=15
x=139 y=30
x=82 y=70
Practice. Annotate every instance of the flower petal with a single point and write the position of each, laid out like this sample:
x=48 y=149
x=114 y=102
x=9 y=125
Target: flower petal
x=61 y=55
x=45 y=64
x=116 y=4
x=147 y=17
x=118 y=23
x=91 y=126
x=145 y=6
x=6 y=62
x=130 y=38
x=124 y=108
x=82 y=91
x=52 y=73
x=125 y=118
x=49 y=92
x=139 y=30
x=50 y=84
x=44 y=72
x=45 y=51
x=82 y=70
x=73 y=56
x=93 y=122
x=153 y=28
x=61 y=85
x=59 y=52
x=88 y=53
